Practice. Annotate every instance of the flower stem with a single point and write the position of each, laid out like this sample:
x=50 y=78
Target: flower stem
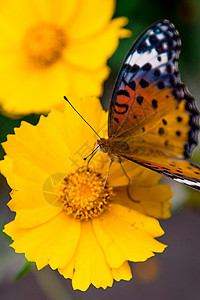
x=51 y=285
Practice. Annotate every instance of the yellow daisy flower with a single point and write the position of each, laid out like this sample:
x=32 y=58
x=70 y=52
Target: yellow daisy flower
x=52 y=48
x=65 y=217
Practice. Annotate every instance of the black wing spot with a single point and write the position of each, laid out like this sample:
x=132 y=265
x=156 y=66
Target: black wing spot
x=165 y=169
x=154 y=103
x=176 y=73
x=169 y=54
x=164 y=121
x=176 y=94
x=178 y=133
x=123 y=92
x=172 y=81
x=157 y=73
x=125 y=106
x=161 y=131
x=153 y=40
x=166 y=143
x=179 y=171
x=173 y=165
x=177 y=48
x=159 y=48
x=134 y=68
x=132 y=85
x=179 y=119
x=161 y=85
x=169 y=69
x=116 y=120
x=147 y=67
x=139 y=100
x=143 y=83
x=170 y=44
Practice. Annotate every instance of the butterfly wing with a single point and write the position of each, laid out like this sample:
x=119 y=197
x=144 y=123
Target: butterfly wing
x=148 y=92
x=156 y=159
x=153 y=119
x=179 y=170
x=176 y=133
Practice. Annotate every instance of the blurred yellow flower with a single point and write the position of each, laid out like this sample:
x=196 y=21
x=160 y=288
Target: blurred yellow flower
x=64 y=216
x=54 y=48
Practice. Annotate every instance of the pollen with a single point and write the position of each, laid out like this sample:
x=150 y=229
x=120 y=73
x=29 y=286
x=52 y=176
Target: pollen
x=44 y=44
x=85 y=194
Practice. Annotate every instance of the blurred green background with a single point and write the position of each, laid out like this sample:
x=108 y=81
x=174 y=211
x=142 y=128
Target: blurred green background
x=172 y=275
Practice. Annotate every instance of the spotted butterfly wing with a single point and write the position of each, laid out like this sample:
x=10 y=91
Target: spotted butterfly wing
x=151 y=110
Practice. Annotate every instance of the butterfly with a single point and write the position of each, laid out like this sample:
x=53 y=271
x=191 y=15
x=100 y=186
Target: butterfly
x=153 y=119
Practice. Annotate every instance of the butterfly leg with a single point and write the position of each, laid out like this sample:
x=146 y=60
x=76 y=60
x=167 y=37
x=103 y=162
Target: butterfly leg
x=111 y=161
x=129 y=183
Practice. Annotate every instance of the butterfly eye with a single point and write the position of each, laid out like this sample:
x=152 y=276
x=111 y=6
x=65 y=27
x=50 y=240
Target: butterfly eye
x=103 y=145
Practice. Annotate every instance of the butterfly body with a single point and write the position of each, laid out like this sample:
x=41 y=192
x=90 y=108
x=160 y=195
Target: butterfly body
x=116 y=149
x=153 y=119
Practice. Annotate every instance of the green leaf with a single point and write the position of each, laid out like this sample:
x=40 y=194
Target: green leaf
x=24 y=270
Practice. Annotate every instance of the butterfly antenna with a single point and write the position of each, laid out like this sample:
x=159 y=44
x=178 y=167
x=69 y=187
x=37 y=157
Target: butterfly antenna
x=92 y=153
x=82 y=117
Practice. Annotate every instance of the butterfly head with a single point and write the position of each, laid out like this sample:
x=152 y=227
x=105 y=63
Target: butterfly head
x=112 y=148
x=103 y=145
x=106 y=146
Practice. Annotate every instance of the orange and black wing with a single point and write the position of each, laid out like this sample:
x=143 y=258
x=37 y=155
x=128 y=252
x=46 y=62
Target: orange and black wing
x=181 y=171
x=149 y=101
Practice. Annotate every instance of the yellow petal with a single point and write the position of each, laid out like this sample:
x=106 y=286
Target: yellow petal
x=29 y=198
x=33 y=12
x=90 y=266
x=153 y=201
x=95 y=12
x=26 y=12
x=123 y=272
x=44 y=163
x=21 y=167
x=28 y=218
x=80 y=67
x=60 y=12
x=68 y=270
x=137 y=220
x=41 y=84
x=147 y=177
x=52 y=243
x=102 y=44
x=84 y=82
x=124 y=240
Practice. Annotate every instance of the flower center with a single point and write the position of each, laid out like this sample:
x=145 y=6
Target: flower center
x=84 y=195
x=44 y=44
